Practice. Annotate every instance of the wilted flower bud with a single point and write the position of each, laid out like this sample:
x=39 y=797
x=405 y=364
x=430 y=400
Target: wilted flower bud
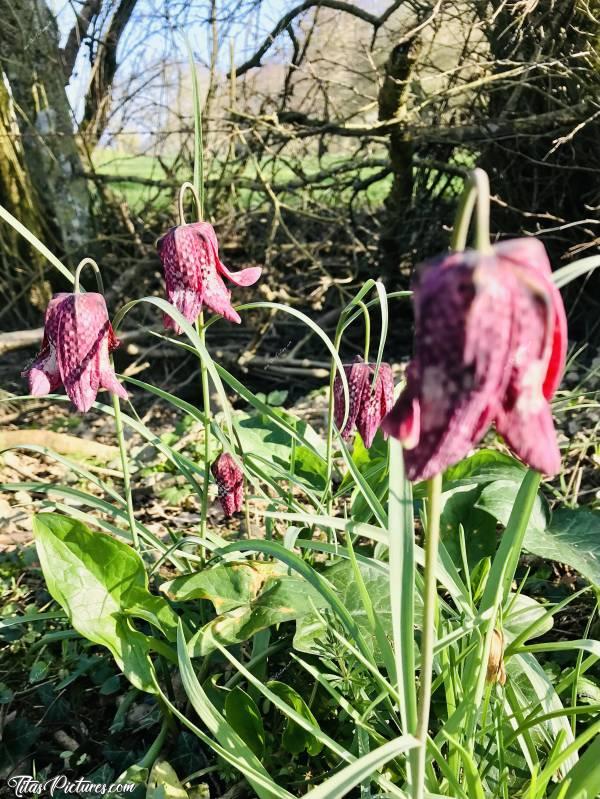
x=230 y=483
x=490 y=346
x=496 y=671
x=193 y=269
x=78 y=338
x=368 y=405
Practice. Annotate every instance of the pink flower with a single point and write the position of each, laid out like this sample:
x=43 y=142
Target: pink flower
x=193 y=269
x=77 y=340
x=490 y=346
x=367 y=406
x=230 y=482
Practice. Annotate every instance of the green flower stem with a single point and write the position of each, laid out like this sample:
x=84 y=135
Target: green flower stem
x=88 y=262
x=207 y=416
x=477 y=189
x=125 y=468
x=148 y=760
x=336 y=344
x=430 y=598
x=187 y=186
x=367 y=317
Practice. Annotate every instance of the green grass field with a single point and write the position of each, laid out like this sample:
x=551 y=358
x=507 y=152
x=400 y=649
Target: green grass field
x=335 y=190
x=276 y=173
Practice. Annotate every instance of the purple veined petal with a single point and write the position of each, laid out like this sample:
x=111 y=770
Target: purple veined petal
x=83 y=339
x=528 y=257
x=183 y=258
x=357 y=374
x=43 y=375
x=524 y=417
x=403 y=421
x=188 y=303
x=176 y=252
x=107 y=376
x=454 y=384
x=375 y=402
x=238 y=497
x=230 y=483
x=244 y=277
x=217 y=298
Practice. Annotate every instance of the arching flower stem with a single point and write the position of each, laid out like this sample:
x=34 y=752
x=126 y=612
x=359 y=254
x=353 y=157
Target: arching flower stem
x=367 y=318
x=81 y=265
x=476 y=192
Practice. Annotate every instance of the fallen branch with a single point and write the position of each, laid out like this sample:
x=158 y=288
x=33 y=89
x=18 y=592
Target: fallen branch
x=20 y=339
x=62 y=443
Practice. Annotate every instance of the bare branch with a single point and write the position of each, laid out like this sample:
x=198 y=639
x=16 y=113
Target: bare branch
x=90 y=9
x=336 y=5
x=97 y=101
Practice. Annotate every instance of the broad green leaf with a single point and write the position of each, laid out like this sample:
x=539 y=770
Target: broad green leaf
x=459 y=507
x=260 y=435
x=311 y=629
x=524 y=611
x=295 y=739
x=498 y=499
x=244 y=716
x=96 y=579
x=227 y=586
x=528 y=676
x=311 y=576
x=249 y=596
x=572 y=537
x=485 y=466
x=163 y=782
x=284 y=599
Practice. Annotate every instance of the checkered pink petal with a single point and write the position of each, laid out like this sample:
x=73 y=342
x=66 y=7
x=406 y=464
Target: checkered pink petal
x=230 y=483
x=490 y=341
x=193 y=273
x=367 y=406
x=77 y=340
x=376 y=402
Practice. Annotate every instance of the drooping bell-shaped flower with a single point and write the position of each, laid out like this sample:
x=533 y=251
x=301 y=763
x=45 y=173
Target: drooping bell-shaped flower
x=490 y=346
x=230 y=483
x=78 y=338
x=194 y=273
x=368 y=404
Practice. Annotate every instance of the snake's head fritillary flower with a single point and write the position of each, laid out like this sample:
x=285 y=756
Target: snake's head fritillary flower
x=230 y=483
x=78 y=338
x=368 y=403
x=490 y=346
x=194 y=273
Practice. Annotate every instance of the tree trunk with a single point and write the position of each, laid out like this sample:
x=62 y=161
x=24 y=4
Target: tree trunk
x=104 y=68
x=393 y=97
x=50 y=160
